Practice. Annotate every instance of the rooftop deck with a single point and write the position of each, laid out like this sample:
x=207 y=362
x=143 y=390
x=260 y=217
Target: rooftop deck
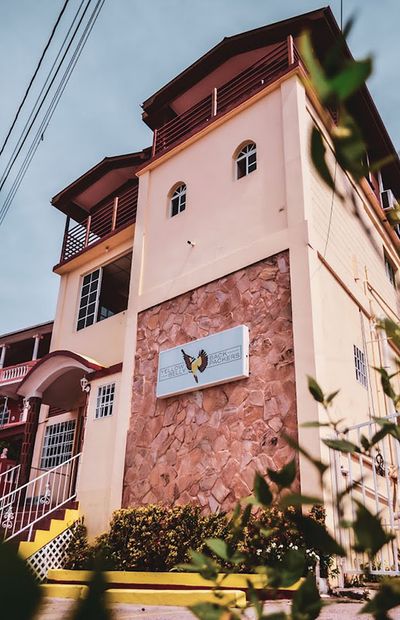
x=273 y=65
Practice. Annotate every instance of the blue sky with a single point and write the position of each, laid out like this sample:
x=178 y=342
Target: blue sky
x=135 y=47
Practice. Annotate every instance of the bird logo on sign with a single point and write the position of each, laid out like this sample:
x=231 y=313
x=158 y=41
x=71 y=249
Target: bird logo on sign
x=196 y=364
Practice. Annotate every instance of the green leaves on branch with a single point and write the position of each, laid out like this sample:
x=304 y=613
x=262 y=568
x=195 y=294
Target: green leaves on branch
x=369 y=533
x=288 y=571
x=317 y=393
x=342 y=445
x=284 y=477
x=262 y=492
x=307 y=602
x=321 y=467
x=202 y=564
x=224 y=551
x=385 y=599
x=212 y=611
x=317 y=536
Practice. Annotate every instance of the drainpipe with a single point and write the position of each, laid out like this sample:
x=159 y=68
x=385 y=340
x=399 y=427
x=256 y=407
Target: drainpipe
x=3 y=355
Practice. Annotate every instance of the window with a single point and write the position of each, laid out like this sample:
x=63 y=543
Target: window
x=105 y=400
x=360 y=366
x=58 y=444
x=246 y=160
x=104 y=292
x=178 y=200
x=4 y=411
x=390 y=270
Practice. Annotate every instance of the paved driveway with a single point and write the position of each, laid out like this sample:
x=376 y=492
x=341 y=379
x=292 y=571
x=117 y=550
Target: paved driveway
x=58 y=609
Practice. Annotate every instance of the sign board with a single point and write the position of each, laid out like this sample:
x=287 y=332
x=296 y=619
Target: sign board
x=195 y=365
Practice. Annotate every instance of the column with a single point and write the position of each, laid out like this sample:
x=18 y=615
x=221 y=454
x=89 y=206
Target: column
x=31 y=416
x=3 y=355
x=36 y=347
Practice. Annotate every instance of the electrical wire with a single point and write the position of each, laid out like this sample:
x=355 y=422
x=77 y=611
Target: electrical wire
x=51 y=109
x=22 y=141
x=34 y=76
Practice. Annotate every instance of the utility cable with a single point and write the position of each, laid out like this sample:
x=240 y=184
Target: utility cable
x=17 y=151
x=34 y=76
x=45 y=122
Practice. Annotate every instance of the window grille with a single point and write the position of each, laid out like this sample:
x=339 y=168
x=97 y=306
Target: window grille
x=178 y=200
x=58 y=444
x=89 y=299
x=105 y=400
x=246 y=161
x=390 y=271
x=4 y=411
x=360 y=366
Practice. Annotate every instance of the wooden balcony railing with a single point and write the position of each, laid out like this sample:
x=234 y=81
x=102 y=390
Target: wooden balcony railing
x=106 y=219
x=13 y=374
x=253 y=79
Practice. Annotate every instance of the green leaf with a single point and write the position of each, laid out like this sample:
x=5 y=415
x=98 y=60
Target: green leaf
x=318 y=151
x=317 y=536
x=288 y=571
x=313 y=386
x=392 y=330
x=267 y=533
x=262 y=491
x=307 y=602
x=365 y=442
x=386 y=384
x=93 y=606
x=331 y=396
x=316 y=71
x=205 y=566
x=369 y=533
x=341 y=445
x=387 y=597
x=387 y=428
x=314 y=424
x=351 y=78
x=19 y=593
x=321 y=467
x=295 y=499
x=285 y=476
x=219 y=547
x=210 y=611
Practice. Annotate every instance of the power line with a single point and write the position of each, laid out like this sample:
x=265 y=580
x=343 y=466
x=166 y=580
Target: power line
x=51 y=109
x=34 y=75
x=18 y=149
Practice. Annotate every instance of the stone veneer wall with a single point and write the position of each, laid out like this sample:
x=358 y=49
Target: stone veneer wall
x=204 y=446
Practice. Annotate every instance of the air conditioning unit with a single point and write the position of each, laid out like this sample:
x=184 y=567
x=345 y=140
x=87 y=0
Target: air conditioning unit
x=388 y=200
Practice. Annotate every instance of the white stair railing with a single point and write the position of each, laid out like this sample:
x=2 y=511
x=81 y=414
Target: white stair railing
x=9 y=480
x=23 y=507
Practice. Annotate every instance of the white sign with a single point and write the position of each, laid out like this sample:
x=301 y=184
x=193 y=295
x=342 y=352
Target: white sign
x=218 y=358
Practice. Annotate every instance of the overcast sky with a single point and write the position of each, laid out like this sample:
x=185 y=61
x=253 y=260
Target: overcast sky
x=135 y=47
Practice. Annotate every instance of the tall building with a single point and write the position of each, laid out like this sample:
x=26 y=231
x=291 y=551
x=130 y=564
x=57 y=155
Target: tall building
x=222 y=233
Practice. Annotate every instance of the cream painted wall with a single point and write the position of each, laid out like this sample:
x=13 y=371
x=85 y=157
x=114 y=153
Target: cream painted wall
x=102 y=341
x=99 y=452
x=224 y=217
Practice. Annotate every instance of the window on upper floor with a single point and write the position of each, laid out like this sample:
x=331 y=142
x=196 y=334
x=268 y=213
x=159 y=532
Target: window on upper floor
x=177 y=199
x=104 y=292
x=360 y=366
x=105 y=400
x=246 y=160
x=390 y=270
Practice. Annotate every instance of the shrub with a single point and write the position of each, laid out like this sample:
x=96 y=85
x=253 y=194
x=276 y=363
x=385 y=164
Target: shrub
x=157 y=538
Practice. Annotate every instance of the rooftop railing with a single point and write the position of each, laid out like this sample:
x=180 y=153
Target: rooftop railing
x=13 y=374
x=253 y=79
x=106 y=219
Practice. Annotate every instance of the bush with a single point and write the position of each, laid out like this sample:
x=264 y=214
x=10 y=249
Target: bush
x=157 y=538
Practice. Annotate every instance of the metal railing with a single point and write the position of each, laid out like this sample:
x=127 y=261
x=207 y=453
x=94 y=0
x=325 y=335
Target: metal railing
x=373 y=481
x=12 y=374
x=9 y=479
x=106 y=219
x=253 y=79
x=25 y=506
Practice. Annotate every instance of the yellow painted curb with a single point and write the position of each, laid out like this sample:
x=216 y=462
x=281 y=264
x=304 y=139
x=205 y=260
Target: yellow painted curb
x=176 y=598
x=63 y=590
x=42 y=537
x=133 y=578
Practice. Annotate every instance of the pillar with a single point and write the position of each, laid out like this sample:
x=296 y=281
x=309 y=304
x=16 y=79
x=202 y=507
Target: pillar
x=31 y=411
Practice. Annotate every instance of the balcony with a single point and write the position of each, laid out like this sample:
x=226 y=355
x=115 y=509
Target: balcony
x=252 y=80
x=15 y=374
x=104 y=221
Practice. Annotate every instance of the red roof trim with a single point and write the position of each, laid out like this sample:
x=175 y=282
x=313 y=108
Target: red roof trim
x=61 y=353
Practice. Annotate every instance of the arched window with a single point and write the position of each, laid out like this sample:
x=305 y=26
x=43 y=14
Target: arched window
x=178 y=200
x=246 y=160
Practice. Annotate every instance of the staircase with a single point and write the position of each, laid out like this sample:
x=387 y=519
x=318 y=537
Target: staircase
x=33 y=505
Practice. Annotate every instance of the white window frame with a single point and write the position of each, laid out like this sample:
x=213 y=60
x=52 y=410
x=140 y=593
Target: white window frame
x=58 y=444
x=80 y=307
x=180 y=195
x=246 y=151
x=360 y=366
x=4 y=411
x=105 y=400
